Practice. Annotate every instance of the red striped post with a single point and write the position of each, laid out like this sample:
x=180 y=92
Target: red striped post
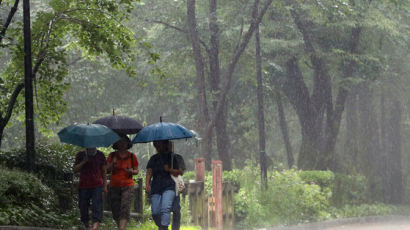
x=217 y=193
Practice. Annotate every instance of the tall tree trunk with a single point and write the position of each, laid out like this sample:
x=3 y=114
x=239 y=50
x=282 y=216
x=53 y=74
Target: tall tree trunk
x=384 y=147
x=28 y=83
x=261 y=110
x=370 y=143
x=351 y=147
x=396 y=176
x=222 y=136
x=206 y=145
x=284 y=129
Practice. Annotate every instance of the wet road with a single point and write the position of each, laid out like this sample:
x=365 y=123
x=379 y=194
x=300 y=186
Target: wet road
x=366 y=223
x=402 y=225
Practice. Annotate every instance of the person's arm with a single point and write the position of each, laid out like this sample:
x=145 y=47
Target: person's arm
x=104 y=177
x=77 y=166
x=148 y=177
x=134 y=170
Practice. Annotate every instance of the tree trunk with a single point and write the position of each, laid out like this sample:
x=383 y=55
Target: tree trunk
x=206 y=145
x=351 y=147
x=284 y=129
x=261 y=110
x=396 y=176
x=28 y=83
x=222 y=136
x=370 y=142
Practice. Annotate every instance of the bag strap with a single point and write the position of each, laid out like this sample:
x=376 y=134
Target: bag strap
x=172 y=160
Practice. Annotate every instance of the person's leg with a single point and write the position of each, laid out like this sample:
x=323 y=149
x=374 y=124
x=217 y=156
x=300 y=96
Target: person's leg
x=115 y=199
x=83 y=204
x=126 y=197
x=156 y=208
x=166 y=205
x=97 y=202
x=176 y=213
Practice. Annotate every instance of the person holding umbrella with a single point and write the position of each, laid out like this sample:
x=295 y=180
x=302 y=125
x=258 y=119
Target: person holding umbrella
x=162 y=187
x=122 y=164
x=91 y=164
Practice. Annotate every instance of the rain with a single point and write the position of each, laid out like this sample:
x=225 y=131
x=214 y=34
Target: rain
x=287 y=114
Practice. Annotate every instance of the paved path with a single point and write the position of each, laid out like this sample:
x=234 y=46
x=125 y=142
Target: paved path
x=402 y=225
x=365 y=223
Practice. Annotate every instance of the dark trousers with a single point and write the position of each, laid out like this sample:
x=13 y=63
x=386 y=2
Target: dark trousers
x=90 y=197
x=176 y=213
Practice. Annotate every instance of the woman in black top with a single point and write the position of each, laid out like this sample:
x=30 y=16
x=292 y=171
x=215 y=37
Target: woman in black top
x=162 y=187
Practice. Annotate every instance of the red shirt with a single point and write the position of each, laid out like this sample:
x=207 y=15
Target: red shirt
x=119 y=177
x=91 y=173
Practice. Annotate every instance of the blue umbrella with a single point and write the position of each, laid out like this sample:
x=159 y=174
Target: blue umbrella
x=88 y=135
x=162 y=131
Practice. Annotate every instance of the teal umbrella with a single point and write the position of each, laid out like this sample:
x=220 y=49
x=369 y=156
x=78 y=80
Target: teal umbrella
x=88 y=135
x=162 y=131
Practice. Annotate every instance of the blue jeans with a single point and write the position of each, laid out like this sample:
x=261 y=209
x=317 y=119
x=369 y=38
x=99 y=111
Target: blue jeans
x=161 y=205
x=90 y=197
x=176 y=213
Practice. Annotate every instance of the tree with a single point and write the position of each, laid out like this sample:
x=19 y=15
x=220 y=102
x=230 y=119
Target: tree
x=218 y=117
x=93 y=28
x=318 y=109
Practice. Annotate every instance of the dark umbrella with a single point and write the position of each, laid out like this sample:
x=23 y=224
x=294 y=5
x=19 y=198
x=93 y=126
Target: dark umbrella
x=120 y=124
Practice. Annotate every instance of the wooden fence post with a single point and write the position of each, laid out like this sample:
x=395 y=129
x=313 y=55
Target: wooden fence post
x=200 y=169
x=217 y=193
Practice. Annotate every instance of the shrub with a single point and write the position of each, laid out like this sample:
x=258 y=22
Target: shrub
x=25 y=200
x=21 y=189
x=349 y=189
x=53 y=167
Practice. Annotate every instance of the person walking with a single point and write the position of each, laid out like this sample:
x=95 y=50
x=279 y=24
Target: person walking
x=91 y=164
x=162 y=187
x=122 y=164
x=176 y=206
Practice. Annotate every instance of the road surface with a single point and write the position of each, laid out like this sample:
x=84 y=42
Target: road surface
x=402 y=225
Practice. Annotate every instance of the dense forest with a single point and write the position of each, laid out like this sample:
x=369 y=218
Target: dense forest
x=310 y=85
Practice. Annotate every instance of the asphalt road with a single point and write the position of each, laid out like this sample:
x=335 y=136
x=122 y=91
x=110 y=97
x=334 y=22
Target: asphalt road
x=366 y=223
x=402 y=225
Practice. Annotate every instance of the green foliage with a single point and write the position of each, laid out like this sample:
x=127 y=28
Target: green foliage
x=324 y=179
x=349 y=189
x=26 y=201
x=363 y=210
x=21 y=189
x=53 y=167
x=286 y=200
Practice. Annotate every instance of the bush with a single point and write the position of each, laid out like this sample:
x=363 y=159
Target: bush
x=349 y=189
x=53 y=167
x=21 y=189
x=287 y=199
x=25 y=200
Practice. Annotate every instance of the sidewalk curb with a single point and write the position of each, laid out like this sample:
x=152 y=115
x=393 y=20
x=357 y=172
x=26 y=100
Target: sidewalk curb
x=337 y=222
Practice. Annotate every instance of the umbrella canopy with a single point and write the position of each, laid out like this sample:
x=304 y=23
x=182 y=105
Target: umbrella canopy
x=88 y=135
x=162 y=131
x=120 y=124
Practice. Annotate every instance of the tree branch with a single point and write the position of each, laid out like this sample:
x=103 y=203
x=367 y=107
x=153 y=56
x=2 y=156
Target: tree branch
x=177 y=29
x=8 y=20
x=42 y=53
x=12 y=102
x=231 y=67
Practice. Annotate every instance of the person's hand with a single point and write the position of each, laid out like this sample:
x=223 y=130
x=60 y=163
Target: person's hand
x=85 y=158
x=129 y=171
x=166 y=168
x=147 y=188
x=105 y=189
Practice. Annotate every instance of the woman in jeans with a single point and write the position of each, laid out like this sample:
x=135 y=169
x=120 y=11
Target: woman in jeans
x=123 y=165
x=162 y=187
